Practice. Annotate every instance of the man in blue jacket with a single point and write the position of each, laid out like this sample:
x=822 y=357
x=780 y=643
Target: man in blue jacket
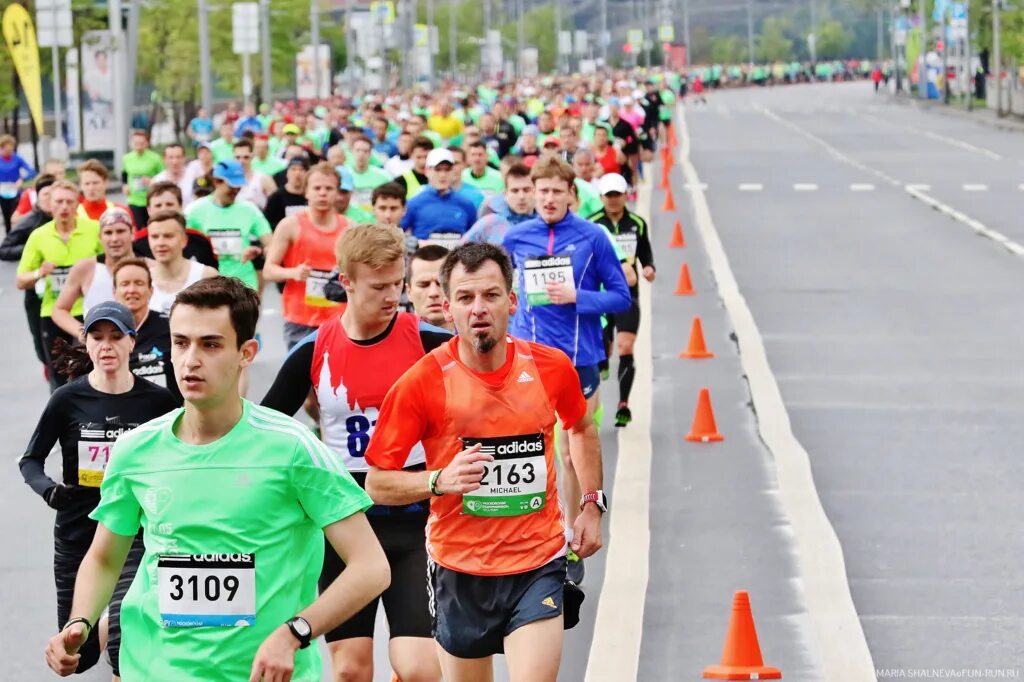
x=438 y=213
x=563 y=261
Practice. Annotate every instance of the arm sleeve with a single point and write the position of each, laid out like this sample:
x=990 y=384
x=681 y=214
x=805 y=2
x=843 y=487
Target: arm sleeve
x=615 y=298
x=30 y=172
x=14 y=244
x=406 y=221
x=644 y=252
x=32 y=463
x=325 y=489
x=293 y=382
x=403 y=420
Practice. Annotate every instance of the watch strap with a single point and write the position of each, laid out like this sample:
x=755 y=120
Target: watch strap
x=304 y=639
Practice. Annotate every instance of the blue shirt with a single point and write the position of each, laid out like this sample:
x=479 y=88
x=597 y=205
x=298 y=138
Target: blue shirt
x=474 y=195
x=249 y=123
x=574 y=328
x=202 y=128
x=429 y=212
x=11 y=168
x=387 y=148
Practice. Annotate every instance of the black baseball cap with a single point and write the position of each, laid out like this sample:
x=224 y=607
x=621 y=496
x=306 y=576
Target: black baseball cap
x=114 y=312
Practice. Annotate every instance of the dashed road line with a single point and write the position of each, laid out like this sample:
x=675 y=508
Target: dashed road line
x=751 y=187
x=805 y=187
x=975 y=187
x=862 y=187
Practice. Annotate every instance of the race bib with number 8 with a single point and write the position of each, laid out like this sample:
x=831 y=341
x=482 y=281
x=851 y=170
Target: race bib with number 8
x=540 y=271
x=207 y=590
x=515 y=483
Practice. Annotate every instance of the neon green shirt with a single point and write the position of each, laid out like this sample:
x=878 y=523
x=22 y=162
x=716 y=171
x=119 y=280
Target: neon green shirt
x=222 y=150
x=270 y=166
x=358 y=215
x=261 y=495
x=489 y=185
x=139 y=166
x=232 y=229
x=44 y=244
x=590 y=201
x=365 y=183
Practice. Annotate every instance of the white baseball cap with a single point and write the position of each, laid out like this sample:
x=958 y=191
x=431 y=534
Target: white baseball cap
x=438 y=156
x=611 y=182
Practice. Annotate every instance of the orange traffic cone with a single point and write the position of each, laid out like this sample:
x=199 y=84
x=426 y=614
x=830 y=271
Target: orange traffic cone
x=670 y=202
x=664 y=178
x=704 y=429
x=677 y=241
x=696 y=348
x=684 y=287
x=741 y=655
x=672 y=141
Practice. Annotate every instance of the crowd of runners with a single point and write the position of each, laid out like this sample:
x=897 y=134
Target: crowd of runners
x=455 y=269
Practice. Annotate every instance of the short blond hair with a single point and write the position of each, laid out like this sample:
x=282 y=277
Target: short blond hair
x=548 y=167
x=370 y=245
x=65 y=184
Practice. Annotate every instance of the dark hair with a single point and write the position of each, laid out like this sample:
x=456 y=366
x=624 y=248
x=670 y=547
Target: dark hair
x=132 y=262
x=475 y=144
x=423 y=142
x=472 y=256
x=243 y=303
x=176 y=216
x=361 y=138
x=44 y=180
x=517 y=170
x=174 y=145
x=456 y=149
x=390 y=190
x=70 y=359
x=430 y=253
x=243 y=142
x=163 y=187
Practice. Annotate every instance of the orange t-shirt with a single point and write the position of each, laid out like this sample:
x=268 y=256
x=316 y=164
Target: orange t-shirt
x=515 y=524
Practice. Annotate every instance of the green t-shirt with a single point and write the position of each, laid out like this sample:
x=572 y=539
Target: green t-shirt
x=232 y=229
x=271 y=166
x=259 y=497
x=139 y=166
x=358 y=215
x=489 y=185
x=590 y=201
x=44 y=244
x=365 y=183
x=222 y=150
x=517 y=122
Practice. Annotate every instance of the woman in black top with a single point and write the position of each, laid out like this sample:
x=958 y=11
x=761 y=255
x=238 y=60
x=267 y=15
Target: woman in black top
x=86 y=416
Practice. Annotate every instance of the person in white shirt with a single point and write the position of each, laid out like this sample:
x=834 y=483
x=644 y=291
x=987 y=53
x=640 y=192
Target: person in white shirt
x=175 y=171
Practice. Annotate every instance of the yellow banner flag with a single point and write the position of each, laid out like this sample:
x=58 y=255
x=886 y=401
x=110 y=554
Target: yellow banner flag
x=20 y=35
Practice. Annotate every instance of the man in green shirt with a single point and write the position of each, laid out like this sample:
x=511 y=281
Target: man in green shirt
x=365 y=177
x=235 y=500
x=223 y=147
x=478 y=174
x=343 y=203
x=232 y=226
x=50 y=252
x=139 y=165
x=263 y=161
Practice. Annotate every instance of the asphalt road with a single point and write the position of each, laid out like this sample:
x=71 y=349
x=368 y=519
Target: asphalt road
x=893 y=331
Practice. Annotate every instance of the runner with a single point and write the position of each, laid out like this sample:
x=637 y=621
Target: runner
x=415 y=179
x=200 y=128
x=496 y=538
x=174 y=171
x=437 y=213
x=290 y=199
x=365 y=177
x=302 y=256
x=475 y=196
x=223 y=147
x=564 y=261
x=85 y=417
x=425 y=285
x=140 y=165
x=172 y=272
x=257 y=185
x=518 y=206
x=151 y=358
x=274 y=488
x=630 y=231
x=14 y=170
x=233 y=226
x=91 y=279
x=388 y=204
x=92 y=181
x=351 y=362
x=161 y=198
x=49 y=254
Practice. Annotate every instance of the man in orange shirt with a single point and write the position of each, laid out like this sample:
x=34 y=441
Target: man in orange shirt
x=484 y=407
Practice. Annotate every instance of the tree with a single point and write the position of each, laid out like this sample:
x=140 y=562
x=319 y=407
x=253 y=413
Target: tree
x=833 y=40
x=728 y=50
x=772 y=44
x=699 y=49
x=540 y=32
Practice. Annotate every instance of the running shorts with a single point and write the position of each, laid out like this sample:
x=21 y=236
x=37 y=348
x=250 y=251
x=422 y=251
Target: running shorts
x=628 y=321
x=473 y=614
x=590 y=379
x=405 y=600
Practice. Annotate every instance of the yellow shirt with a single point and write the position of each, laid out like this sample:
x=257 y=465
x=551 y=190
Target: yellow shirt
x=45 y=244
x=445 y=126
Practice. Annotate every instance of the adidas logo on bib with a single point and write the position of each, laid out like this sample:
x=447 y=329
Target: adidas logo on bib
x=524 y=378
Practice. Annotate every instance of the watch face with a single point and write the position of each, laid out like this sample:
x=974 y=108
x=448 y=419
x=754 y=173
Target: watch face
x=302 y=627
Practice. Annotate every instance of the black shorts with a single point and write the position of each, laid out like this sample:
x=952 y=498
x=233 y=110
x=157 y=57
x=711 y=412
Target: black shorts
x=405 y=601
x=590 y=379
x=628 y=321
x=473 y=614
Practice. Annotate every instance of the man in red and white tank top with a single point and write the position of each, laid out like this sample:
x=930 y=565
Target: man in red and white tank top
x=302 y=255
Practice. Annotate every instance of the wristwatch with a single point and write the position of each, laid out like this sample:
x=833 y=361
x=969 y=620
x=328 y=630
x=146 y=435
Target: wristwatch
x=597 y=497
x=301 y=629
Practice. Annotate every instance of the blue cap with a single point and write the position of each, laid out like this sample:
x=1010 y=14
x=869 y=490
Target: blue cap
x=230 y=172
x=114 y=312
x=348 y=183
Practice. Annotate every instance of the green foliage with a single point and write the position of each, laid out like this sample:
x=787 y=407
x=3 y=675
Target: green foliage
x=833 y=40
x=540 y=33
x=728 y=50
x=700 y=45
x=772 y=44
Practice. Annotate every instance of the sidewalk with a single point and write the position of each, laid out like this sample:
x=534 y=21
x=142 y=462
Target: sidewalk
x=981 y=115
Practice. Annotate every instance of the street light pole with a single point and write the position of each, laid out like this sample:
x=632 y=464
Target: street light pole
x=997 y=56
x=686 y=28
x=267 y=89
x=205 y=73
x=812 y=44
x=314 y=31
x=520 y=36
x=120 y=121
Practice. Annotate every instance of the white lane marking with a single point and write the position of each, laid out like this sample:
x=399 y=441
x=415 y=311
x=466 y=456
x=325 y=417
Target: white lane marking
x=805 y=187
x=619 y=622
x=952 y=141
x=829 y=148
x=1021 y=187
x=704 y=185
x=976 y=225
x=751 y=187
x=862 y=187
x=844 y=650
x=975 y=187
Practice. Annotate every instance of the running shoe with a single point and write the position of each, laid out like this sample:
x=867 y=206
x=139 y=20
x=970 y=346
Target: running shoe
x=604 y=375
x=623 y=417
x=574 y=570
